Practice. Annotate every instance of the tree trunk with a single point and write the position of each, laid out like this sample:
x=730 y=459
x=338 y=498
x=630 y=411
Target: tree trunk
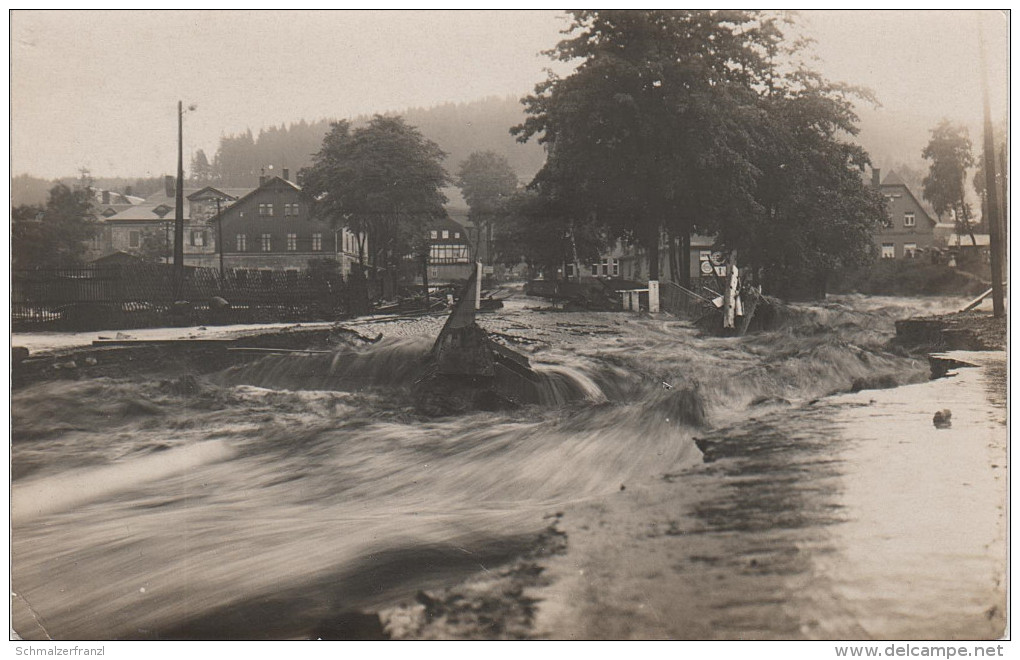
x=573 y=247
x=966 y=222
x=425 y=277
x=730 y=293
x=674 y=258
x=653 y=256
x=1003 y=229
x=685 y=258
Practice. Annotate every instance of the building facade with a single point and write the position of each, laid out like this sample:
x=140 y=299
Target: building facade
x=147 y=229
x=908 y=231
x=272 y=228
x=450 y=254
x=630 y=262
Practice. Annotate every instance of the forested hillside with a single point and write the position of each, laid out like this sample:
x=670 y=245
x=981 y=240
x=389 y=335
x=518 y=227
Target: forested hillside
x=459 y=128
x=894 y=140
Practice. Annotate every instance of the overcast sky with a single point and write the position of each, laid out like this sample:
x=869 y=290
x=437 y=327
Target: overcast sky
x=99 y=89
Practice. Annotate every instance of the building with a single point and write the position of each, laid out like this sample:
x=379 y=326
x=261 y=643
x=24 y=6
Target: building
x=450 y=253
x=271 y=227
x=909 y=230
x=147 y=229
x=630 y=262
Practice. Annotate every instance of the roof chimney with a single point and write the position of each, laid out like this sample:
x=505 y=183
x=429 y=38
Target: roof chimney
x=286 y=174
x=106 y=197
x=876 y=177
x=169 y=186
x=262 y=180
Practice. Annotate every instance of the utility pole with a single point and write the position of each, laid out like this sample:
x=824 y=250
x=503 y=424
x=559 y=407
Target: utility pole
x=219 y=236
x=179 y=203
x=991 y=189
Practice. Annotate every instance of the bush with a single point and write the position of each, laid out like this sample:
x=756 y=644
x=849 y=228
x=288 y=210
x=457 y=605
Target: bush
x=907 y=277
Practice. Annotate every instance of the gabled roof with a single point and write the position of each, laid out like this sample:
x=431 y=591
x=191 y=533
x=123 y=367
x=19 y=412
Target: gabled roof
x=893 y=180
x=272 y=182
x=212 y=192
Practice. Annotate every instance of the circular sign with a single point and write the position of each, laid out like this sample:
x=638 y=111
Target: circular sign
x=718 y=258
x=706 y=268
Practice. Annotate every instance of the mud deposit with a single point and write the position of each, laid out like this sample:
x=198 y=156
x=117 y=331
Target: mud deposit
x=670 y=485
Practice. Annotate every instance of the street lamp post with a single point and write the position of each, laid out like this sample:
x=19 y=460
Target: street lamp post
x=179 y=204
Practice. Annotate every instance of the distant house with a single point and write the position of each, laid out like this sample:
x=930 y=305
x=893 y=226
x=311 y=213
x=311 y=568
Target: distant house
x=909 y=230
x=450 y=253
x=135 y=228
x=630 y=262
x=272 y=227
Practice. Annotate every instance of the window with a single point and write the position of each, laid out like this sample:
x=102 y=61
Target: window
x=910 y=250
x=435 y=272
x=569 y=271
x=888 y=250
x=908 y=219
x=242 y=242
x=292 y=242
x=446 y=233
x=616 y=267
x=456 y=234
x=289 y=209
x=293 y=209
x=198 y=238
x=267 y=242
x=316 y=242
x=595 y=270
x=433 y=234
x=448 y=254
x=134 y=239
x=266 y=209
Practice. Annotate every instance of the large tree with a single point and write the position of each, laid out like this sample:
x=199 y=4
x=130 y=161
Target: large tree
x=201 y=170
x=949 y=151
x=644 y=126
x=383 y=182
x=53 y=236
x=680 y=121
x=486 y=180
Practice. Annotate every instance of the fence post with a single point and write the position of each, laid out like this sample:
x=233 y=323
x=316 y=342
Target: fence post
x=653 y=296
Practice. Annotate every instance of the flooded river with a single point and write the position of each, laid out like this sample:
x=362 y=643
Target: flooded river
x=265 y=500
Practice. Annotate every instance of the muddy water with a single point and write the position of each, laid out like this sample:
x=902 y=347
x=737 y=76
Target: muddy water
x=266 y=501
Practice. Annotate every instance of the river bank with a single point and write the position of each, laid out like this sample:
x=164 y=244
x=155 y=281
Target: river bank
x=307 y=494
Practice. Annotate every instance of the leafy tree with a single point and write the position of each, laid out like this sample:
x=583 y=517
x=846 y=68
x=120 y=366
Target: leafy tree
x=680 y=121
x=53 y=236
x=949 y=151
x=486 y=180
x=812 y=211
x=201 y=170
x=381 y=181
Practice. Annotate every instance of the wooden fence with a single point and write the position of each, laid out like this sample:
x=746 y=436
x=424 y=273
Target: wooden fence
x=682 y=302
x=145 y=295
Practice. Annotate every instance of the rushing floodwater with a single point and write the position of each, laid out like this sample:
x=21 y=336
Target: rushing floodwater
x=261 y=501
